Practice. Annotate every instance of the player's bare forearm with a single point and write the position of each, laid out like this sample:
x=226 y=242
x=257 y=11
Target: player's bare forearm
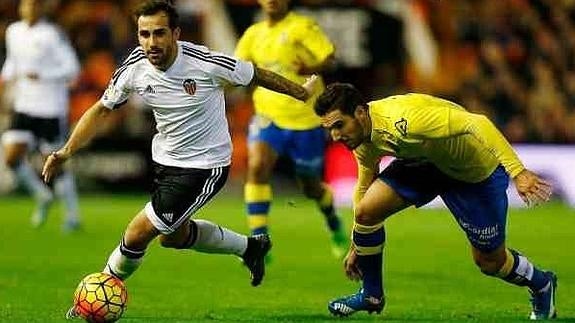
x=86 y=128
x=327 y=65
x=275 y=82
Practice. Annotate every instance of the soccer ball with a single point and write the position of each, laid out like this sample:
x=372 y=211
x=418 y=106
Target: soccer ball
x=100 y=297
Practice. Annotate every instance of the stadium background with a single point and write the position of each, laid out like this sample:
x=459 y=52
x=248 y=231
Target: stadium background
x=513 y=60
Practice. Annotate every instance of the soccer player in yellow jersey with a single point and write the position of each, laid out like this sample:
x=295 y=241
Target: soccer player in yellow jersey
x=441 y=150
x=295 y=47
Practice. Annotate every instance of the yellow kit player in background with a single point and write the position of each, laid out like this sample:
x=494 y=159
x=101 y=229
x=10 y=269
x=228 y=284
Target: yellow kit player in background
x=295 y=47
x=441 y=150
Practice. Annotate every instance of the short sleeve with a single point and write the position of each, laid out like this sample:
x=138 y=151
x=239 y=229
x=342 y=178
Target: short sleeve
x=120 y=85
x=118 y=89
x=230 y=70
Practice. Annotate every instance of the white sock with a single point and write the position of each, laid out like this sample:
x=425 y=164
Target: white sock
x=66 y=189
x=122 y=266
x=215 y=239
x=32 y=182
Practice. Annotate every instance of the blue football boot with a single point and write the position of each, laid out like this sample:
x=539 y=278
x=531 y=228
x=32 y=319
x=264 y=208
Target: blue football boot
x=544 y=303
x=348 y=305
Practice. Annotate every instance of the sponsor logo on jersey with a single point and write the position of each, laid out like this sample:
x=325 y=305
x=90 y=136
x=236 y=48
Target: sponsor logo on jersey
x=189 y=86
x=150 y=89
x=401 y=126
x=168 y=216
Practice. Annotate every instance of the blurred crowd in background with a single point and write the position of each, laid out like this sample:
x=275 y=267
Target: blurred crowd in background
x=513 y=60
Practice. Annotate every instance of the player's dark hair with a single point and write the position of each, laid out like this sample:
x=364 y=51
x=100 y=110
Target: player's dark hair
x=342 y=96
x=152 y=7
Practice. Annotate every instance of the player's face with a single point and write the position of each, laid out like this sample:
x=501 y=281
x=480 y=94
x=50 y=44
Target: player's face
x=158 y=40
x=274 y=7
x=30 y=10
x=349 y=130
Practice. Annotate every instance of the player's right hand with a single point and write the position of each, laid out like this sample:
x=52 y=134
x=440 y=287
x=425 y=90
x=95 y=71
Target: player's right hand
x=350 y=265
x=310 y=84
x=53 y=164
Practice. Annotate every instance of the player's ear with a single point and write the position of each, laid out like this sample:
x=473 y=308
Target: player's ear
x=177 y=32
x=360 y=112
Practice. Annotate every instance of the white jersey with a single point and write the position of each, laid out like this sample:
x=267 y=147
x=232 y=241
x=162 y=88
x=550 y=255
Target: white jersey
x=187 y=101
x=41 y=49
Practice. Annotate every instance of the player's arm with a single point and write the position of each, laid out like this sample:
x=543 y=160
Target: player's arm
x=448 y=122
x=437 y=118
x=326 y=65
x=482 y=129
x=7 y=74
x=277 y=83
x=317 y=43
x=367 y=162
x=367 y=169
x=85 y=130
x=67 y=66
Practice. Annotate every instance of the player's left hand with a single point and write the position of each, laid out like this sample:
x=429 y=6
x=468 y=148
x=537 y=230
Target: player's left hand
x=532 y=188
x=53 y=164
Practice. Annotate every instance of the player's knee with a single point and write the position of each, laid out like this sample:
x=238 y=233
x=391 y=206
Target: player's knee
x=312 y=191
x=488 y=266
x=364 y=217
x=12 y=162
x=168 y=241
x=259 y=170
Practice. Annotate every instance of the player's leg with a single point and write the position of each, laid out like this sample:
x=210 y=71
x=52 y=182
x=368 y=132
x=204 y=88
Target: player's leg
x=177 y=195
x=128 y=255
x=51 y=134
x=307 y=150
x=401 y=184
x=16 y=143
x=515 y=268
x=378 y=203
x=264 y=141
x=481 y=211
x=314 y=188
x=65 y=187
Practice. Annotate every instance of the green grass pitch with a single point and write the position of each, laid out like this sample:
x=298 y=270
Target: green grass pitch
x=429 y=274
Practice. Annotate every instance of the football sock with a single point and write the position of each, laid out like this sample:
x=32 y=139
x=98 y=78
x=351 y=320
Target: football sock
x=325 y=204
x=27 y=176
x=123 y=261
x=368 y=242
x=66 y=189
x=258 y=199
x=212 y=238
x=518 y=270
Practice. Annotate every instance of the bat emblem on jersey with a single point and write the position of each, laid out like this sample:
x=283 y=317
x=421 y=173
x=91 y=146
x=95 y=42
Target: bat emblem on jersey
x=189 y=86
x=401 y=126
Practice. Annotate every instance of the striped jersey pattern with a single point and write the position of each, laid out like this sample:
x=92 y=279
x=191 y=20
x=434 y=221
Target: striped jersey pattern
x=187 y=101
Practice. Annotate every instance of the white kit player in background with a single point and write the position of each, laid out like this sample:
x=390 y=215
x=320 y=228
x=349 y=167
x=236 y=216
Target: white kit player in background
x=40 y=65
x=184 y=85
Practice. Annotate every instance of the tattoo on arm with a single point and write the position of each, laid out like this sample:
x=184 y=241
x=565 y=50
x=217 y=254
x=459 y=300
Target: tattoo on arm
x=278 y=83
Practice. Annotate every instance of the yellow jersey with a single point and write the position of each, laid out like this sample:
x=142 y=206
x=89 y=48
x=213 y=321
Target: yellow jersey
x=281 y=48
x=463 y=145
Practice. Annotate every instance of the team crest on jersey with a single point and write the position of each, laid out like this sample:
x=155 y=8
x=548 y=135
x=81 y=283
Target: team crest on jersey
x=189 y=86
x=401 y=126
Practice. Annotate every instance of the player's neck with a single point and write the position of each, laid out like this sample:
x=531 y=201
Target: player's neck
x=31 y=22
x=276 y=17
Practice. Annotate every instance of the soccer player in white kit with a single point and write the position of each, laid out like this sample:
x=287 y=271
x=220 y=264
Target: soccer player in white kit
x=40 y=65
x=184 y=84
